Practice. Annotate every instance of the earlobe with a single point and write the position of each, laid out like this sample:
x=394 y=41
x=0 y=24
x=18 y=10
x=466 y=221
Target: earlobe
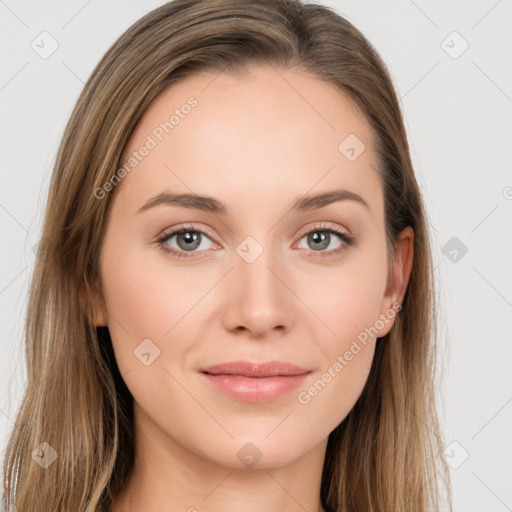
x=403 y=262
x=399 y=278
x=93 y=303
x=401 y=271
x=99 y=312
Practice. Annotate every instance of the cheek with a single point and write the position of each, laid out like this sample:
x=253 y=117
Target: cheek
x=330 y=397
x=142 y=303
x=349 y=304
x=347 y=298
x=149 y=299
x=347 y=358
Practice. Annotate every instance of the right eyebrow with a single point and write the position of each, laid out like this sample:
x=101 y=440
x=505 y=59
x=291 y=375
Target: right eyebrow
x=204 y=203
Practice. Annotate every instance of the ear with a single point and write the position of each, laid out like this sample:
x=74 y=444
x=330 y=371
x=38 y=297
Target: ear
x=398 y=280
x=93 y=303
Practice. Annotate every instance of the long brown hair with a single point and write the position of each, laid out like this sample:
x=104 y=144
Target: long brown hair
x=387 y=453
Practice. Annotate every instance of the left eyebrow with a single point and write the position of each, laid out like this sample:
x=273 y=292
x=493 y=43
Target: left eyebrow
x=212 y=205
x=316 y=201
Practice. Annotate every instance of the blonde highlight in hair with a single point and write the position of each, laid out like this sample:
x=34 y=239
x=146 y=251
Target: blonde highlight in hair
x=386 y=455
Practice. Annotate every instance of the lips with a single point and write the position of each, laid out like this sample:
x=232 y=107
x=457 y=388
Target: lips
x=251 y=382
x=255 y=370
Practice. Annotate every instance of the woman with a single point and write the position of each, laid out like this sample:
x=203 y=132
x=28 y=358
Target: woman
x=190 y=345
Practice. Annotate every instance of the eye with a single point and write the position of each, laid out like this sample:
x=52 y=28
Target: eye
x=188 y=239
x=320 y=238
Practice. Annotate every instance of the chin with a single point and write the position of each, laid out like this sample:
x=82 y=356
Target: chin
x=257 y=452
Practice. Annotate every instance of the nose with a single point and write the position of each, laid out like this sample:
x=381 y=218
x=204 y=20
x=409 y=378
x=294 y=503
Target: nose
x=258 y=299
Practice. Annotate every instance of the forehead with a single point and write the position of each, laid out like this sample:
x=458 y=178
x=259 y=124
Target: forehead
x=264 y=132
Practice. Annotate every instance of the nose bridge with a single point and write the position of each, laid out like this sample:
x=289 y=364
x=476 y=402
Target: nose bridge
x=254 y=267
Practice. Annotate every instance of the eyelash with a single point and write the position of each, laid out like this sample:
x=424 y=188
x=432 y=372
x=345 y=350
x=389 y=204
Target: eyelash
x=348 y=241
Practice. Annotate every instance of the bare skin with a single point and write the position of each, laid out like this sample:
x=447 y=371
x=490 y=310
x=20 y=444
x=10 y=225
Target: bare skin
x=256 y=144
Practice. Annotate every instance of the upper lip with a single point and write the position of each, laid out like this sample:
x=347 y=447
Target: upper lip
x=248 y=369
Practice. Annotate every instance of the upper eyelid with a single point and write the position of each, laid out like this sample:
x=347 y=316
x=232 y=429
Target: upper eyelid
x=318 y=226
x=324 y=226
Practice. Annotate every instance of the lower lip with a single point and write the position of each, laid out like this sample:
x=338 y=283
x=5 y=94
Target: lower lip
x=255 y=389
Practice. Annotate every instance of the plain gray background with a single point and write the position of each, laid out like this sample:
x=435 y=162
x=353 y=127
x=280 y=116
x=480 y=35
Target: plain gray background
x=452 y=67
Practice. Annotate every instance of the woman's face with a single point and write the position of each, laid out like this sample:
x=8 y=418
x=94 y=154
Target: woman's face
x=253 y=277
